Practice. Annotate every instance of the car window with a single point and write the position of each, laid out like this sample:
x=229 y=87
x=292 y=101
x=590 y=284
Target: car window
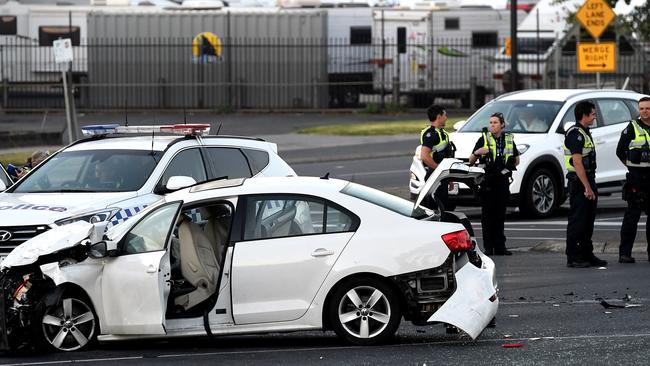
x=4 y=177
x=228 y=162
x=285 y=216
x=151 y=233
x=91 y=171
x=379 y=198
x=186 y=163
x=613 y=111
x=634 y=107
x=258 y=159
x=523 y=116
x=569 y=116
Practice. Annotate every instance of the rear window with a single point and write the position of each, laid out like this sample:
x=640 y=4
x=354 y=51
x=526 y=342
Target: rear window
x=91 y=171
x=383 y=199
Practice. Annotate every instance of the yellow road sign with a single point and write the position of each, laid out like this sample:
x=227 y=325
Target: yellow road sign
x=595 y=16
x=597 y=57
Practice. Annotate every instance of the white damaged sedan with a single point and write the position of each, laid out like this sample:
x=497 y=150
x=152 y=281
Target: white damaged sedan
x=252 y=256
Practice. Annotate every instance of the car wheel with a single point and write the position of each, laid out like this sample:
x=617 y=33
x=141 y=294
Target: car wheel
x=365 y=311
x=68 y=325
x=540 y=194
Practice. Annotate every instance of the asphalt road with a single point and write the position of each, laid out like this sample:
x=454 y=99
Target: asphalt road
x=548 y=314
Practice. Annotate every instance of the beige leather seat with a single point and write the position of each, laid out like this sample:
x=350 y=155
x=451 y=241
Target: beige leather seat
x=199 y=265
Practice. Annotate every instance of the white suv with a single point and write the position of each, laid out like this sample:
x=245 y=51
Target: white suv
x=538 y=118
x=112 y=176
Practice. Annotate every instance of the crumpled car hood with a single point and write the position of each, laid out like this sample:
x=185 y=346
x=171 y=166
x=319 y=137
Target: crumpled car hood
x=52 y=241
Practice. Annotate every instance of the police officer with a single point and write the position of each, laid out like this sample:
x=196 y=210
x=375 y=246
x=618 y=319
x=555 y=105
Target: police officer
x=580 y=161
x=634 y=151
x=435 y=147
x=496 y=149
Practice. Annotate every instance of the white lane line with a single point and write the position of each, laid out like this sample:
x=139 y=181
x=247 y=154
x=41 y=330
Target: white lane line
x=382 y=172
x=74 y=361
x=555 y=223
x=529 y=238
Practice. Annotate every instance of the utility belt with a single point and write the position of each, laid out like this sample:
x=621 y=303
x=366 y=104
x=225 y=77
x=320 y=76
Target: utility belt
x=638 y=158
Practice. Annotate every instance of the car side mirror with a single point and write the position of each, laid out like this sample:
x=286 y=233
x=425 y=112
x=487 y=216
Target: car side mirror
x=566 y=126
x=179 y=181
x=98 y=250
x=458 y=125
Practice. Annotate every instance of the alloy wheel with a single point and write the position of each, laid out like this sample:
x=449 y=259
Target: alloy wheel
x=69 y=325
x=543 y=193
x=364 y=312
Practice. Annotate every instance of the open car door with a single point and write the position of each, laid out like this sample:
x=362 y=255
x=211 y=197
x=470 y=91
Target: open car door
x=450 y=170
x=135 y=284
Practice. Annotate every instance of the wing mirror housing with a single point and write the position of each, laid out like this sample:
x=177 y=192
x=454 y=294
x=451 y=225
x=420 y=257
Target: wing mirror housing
x=458 y=125
x=98 y=250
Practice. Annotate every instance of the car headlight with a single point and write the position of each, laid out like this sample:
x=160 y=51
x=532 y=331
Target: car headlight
x=92 y=217
x=522 y=148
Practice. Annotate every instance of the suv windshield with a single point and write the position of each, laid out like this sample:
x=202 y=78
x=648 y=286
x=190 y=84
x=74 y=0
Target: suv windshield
x=522 y=116
x=91 y=171
x=385 y=200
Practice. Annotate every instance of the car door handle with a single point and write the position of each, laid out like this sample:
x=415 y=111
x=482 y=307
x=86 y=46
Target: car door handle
x=321 y=252
x=151 y=269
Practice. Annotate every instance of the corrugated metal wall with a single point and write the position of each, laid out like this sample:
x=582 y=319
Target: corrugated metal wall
x=150 y=57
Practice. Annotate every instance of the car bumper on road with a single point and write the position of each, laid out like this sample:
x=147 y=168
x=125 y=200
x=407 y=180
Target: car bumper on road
x=475 y=301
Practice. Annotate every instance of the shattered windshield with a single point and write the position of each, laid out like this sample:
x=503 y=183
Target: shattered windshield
x=91 y=171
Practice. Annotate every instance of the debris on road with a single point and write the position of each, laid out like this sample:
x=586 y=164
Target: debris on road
x=513 y=345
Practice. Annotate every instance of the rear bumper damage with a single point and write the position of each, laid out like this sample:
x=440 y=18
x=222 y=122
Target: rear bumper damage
x=462 y=292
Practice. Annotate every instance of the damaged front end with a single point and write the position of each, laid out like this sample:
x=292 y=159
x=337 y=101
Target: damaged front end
x=25 y=289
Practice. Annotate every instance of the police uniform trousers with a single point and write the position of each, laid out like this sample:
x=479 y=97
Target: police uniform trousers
x=582 y=214
x=494 y=194
x=641 y=183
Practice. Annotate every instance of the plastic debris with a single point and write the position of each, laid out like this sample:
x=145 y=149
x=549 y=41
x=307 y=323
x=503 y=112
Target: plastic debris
x=507 y=335
x=602 y=267
x=513 y=316
x=608 y=312
x=513 y=345
x=534 y=339
x=556 y=305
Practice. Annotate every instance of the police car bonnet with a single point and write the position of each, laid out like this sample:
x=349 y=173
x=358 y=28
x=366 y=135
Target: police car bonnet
x=39 y=208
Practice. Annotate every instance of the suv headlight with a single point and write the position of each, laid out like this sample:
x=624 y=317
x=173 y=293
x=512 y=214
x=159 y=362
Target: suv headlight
x=522 y=148
x=92 y=217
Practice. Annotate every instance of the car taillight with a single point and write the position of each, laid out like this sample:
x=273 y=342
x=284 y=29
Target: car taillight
x=458 y=241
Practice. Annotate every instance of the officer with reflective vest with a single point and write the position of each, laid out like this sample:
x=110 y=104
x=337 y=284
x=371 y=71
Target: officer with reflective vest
x=497 y=151
x=634 y=151
x=580 y=161
x=435 y=147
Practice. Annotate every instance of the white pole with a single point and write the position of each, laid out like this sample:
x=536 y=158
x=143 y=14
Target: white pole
x=68 y=111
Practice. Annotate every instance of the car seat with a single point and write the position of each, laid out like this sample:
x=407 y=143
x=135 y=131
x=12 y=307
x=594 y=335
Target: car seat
x=199 y=265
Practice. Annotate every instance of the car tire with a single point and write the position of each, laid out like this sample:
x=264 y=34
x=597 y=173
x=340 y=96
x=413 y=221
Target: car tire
x=540 y=194
x=364 y=311
x=69 y=325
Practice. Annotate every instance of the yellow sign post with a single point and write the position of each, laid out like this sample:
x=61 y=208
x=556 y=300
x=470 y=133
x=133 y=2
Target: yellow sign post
x=508 y=46
x=597 y=57
x=595 y=16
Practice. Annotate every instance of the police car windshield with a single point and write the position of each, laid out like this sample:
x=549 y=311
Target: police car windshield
x=521 y=116
x=91 y=171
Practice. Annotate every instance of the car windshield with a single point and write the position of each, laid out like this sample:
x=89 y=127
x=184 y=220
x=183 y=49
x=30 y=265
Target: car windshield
x=91 y=171
x=385 y=200
x=521 y=116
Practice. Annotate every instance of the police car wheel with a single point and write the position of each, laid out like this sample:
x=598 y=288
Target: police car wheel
x=364 y=311
x=540 y=194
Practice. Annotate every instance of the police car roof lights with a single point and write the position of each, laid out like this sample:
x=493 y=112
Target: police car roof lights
x=177 y=129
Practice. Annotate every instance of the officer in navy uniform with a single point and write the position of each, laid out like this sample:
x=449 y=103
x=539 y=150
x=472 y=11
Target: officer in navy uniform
x=580 y=161
x=498 y=152
x=435 y=147
x=634 y=151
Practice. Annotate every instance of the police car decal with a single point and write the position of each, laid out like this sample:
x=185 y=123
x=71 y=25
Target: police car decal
x=27 y=206
x=125 y=214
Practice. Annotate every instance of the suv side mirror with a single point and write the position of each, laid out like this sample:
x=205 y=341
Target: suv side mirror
x=179 y=181
x=458 y=125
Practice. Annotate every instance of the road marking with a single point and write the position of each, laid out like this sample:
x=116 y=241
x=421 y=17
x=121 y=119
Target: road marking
x=555 y=223
x=74 y=361
x=346 y=175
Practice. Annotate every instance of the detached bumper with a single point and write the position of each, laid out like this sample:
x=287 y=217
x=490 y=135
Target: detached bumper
x=474 y=302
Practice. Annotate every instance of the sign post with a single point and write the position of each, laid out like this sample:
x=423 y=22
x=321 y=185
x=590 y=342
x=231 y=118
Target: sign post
x=62 y=49
x=595 y=16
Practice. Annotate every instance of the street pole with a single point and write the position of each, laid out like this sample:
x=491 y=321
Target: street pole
x=514 y=50
x=383 y=63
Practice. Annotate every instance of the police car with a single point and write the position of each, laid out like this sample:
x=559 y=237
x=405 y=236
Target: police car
x=116 y=171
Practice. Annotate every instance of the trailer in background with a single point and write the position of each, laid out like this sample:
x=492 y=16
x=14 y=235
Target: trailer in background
x=443 y=53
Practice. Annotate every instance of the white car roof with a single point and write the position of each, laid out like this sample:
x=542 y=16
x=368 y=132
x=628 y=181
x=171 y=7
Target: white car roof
x=160 y=143
x=233 y=187
x=562 y=95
